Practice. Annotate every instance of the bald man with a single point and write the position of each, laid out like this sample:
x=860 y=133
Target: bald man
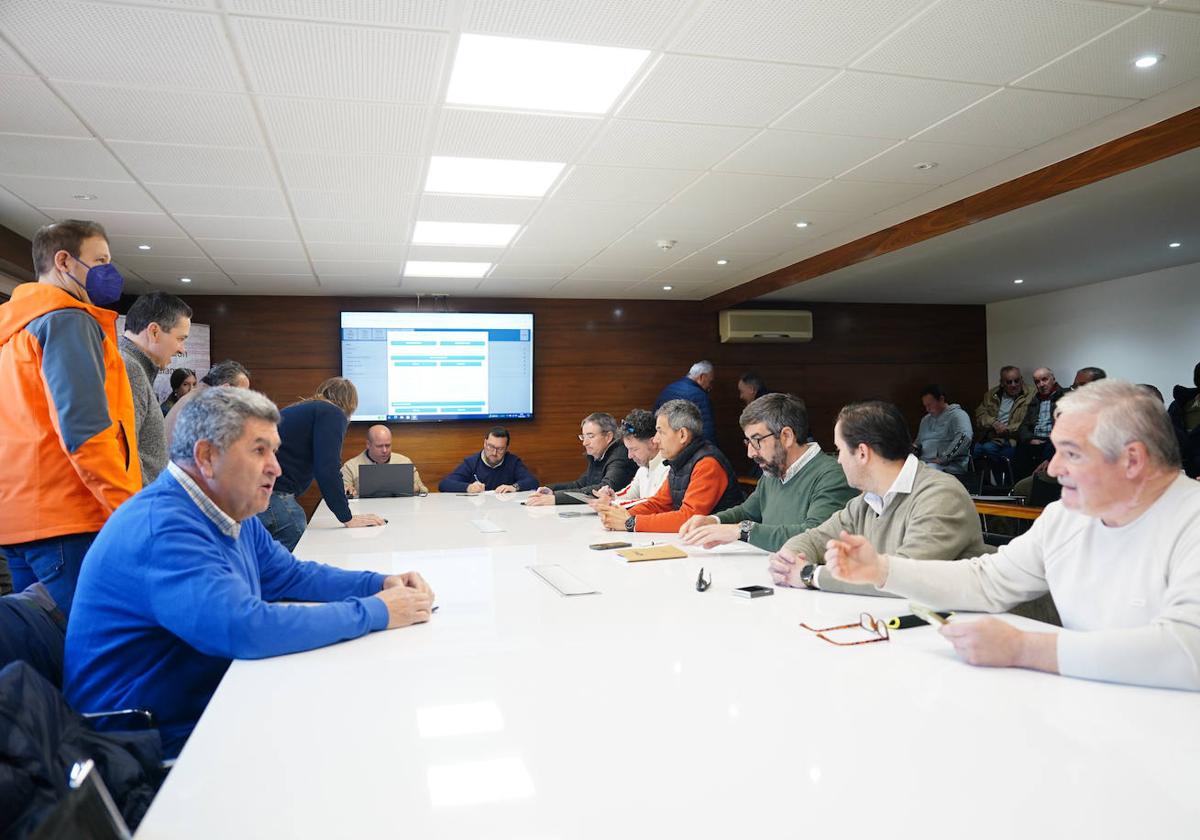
x=378 y=451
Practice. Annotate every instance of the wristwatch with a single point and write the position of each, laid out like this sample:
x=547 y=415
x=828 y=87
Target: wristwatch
x=630 y=522
x=808 y=576
x=744 y=529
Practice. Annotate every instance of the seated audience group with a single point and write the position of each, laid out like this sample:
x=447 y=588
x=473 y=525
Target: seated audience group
x=164 y=543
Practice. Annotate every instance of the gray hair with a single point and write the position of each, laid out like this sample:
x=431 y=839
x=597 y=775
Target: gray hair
x=604 y=420
x=699 y=369
x=682 y=414
x=1124 y=413
x=218 y=415
x=224 y=373
x=778 y=411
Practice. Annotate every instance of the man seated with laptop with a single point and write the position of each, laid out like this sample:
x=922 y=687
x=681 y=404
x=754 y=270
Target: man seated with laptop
x=385 y=482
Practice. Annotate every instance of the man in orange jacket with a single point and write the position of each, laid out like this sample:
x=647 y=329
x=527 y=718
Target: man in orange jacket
x=67 y=439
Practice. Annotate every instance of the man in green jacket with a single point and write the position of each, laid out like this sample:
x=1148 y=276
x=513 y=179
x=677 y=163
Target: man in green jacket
x=912 y=509
x=800 y=488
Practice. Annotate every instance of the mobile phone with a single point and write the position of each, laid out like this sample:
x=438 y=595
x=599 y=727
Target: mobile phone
x=607 y=546
x=754 y=591
x=927 y=615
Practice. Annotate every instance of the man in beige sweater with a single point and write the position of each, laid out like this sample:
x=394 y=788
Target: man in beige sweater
x=912 y=509
x=378 y=451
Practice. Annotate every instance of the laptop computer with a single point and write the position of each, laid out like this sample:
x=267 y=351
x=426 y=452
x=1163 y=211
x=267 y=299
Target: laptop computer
x=382 y=481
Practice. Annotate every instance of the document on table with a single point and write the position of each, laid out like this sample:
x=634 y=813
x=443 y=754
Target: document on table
x=486 y=526
x=564 y=581
x=657 y=552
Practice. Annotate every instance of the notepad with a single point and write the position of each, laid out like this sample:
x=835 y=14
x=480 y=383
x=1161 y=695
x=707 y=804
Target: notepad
x=655 y=552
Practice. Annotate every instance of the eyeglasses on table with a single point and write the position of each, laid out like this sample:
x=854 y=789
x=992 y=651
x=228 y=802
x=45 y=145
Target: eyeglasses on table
x=866 y=621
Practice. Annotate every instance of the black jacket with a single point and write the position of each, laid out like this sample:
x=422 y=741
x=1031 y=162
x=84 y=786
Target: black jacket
x=680 y=475
x=615 y=469
x=1189 y=443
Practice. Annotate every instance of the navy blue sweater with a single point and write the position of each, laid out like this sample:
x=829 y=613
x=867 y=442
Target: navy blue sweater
x=166 y=600
x=511 y=470
x=312 y=433
x=687 y=389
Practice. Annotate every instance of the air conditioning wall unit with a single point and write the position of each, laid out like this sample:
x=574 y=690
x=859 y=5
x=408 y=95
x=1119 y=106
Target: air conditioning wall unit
x=750 y=326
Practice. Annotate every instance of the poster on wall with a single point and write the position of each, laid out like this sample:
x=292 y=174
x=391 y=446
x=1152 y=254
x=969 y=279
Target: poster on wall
x=196 y=357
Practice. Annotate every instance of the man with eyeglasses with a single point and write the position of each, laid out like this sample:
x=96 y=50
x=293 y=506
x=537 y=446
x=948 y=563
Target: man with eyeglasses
x=800 y=488
x=906 y=507
x=494 y=468
x=608 y=463
x=639 y=436
x=1000 y=414
x=700 y=479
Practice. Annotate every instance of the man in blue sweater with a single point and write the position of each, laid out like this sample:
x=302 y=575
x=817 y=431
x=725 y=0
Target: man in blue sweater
x=494 y=468
x=184 y=578
x=694 y=388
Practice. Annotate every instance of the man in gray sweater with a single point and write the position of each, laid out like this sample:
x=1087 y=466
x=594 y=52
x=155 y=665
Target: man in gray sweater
x=944 y=437
x=155 y=330
x=906 y=508
x=800 y=487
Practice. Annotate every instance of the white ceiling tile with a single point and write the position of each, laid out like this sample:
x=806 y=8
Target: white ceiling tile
x=206 y=283
x=797 y=153
x=377 y=173
x=353 y=206
x=220 y=249
x=953 y=162
x=311 y=125
x=1022 y=118
x=149 y=264
x=485 y=209
x=160 y=246
x=581 y=223
x=508 y=287
x=337 y=285
x=664 y=145
x=353 y=230
x=1193 y=5
x=1105 y=66
x=678 y=218
x=240 y=265
x=639 y=250
x=878 y=105
x=11 y=63
x=439 y=285
x=777 y=232
x=393 y=252
x=722 y=190
x=992 y=42
x=609 y=273
x=423 y=14
x=238 y=227
x=864 y=197
x=220 y=201
x=616 y=23
x=508 y=136
x=208 y=165
x=609 y=183
x=132 y=224
x=17 y=215
x=58 y=157
x=554 y=253
x=829 y=32
x=532 y=272
x=141 y=46
x=161 y=116
x=653 y=290
x=706 y=260
x=714 y=90
x=594 y=289
x=454 y=253
x=28 y=106
x=379 y=269
x=123 y=196
x=341 y=62
x=681 y=276
x=280 y=283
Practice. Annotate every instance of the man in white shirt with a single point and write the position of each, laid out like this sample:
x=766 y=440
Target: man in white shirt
x=1120 y=554
x=638 y=436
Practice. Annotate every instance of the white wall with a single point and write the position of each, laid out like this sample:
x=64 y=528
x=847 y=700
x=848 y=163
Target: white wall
x=1144 y=329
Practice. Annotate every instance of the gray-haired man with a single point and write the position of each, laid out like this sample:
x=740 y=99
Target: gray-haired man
x=608 y=463
x=184 y=578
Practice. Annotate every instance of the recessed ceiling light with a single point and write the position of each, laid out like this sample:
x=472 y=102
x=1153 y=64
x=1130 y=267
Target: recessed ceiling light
x=143 y=247
x=1174 y=244
x=540 y=75
x=1144 y=61
x=667 y=288
x=929 y=164
x=438 y=268
x=84 y=197
x=801 y=224
x=463 y=233
x=1018 y=281
x=482 y=176
x=185 y=279
x=722 y=262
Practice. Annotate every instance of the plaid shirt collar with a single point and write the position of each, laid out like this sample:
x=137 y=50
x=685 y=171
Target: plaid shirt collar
x=224 y=522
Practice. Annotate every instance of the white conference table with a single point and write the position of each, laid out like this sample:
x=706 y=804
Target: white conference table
x=654 y=710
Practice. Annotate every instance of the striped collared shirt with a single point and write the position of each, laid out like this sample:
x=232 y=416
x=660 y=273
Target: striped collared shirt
x=228 y=526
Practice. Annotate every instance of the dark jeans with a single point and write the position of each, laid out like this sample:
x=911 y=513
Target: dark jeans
x=284 y=519
x=54 y=561
x=1029 y=456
